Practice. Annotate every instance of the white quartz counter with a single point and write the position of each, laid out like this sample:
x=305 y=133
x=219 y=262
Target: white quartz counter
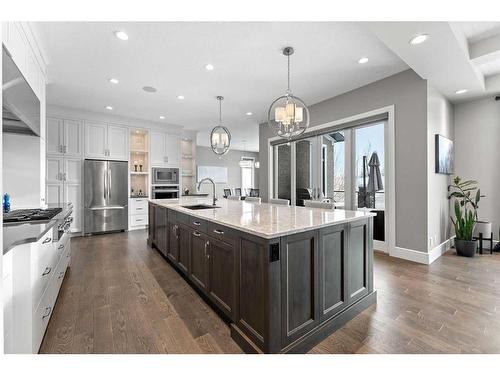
x=264 y=219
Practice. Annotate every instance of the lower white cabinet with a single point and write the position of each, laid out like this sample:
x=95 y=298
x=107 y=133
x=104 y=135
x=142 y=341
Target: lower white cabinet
x=38 y=271
x=138 y=213
x=8 y=313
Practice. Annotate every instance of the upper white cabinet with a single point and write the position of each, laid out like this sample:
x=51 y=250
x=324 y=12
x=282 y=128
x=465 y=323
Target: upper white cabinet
x=164 y=149
x=64 y=137
x=104 y=141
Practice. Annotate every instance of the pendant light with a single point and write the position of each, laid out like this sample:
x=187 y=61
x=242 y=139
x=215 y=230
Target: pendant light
x=220 y=137
x=288 y=115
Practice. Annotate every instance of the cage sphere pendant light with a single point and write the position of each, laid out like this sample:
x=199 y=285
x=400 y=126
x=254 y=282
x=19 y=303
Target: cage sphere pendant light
x=220 y=137
x=288 y=115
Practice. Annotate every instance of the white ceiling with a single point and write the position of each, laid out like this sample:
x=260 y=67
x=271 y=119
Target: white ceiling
x=250 y=70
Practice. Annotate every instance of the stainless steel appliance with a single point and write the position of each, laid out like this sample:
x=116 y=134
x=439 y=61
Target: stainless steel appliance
x=30 y=215
x=20 y=105
x=165 y=176
x=165 y=191
x=105 y=196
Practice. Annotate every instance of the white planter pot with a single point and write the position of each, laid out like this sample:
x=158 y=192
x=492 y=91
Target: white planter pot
x=483 y=227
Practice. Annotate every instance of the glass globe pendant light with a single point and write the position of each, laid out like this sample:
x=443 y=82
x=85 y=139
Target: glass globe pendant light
x=288 y=115
x=220 y=137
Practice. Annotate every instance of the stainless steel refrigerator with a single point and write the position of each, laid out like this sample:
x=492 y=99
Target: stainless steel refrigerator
x=105 y=196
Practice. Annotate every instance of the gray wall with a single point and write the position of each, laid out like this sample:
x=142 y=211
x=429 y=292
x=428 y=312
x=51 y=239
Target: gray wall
x=439 y=121
x=408 y=93
x=477 y=153
x=206 y=157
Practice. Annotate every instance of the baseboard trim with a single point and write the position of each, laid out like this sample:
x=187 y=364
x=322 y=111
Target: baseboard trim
x=440 y=250
x=422 y=256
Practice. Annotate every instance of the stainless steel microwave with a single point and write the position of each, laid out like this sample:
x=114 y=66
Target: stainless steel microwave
x=165 y=176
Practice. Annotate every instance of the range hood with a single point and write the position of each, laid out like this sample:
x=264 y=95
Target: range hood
x=20 y=105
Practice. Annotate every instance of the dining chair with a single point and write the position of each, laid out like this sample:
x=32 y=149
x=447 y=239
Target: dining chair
x=237 y=191
x=253 y=199
x=318 y=204
x=254 y=193
x=227 y=192
x=283 y=202
x=234 y=198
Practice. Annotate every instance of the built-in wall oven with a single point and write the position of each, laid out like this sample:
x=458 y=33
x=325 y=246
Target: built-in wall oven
x=165 y=176
x=165 y=191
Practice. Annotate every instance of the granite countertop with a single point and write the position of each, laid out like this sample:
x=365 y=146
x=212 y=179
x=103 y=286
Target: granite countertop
x=263 y=219
x=18 y=234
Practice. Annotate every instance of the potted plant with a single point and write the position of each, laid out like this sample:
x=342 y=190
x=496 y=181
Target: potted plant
x=467 y=196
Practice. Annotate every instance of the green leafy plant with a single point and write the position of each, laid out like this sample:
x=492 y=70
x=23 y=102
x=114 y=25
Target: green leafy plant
x=467 y=196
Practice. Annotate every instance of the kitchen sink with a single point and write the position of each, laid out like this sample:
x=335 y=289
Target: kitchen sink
x=200 y=207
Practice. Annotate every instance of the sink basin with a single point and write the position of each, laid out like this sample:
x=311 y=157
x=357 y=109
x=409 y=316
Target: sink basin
x=201 y=207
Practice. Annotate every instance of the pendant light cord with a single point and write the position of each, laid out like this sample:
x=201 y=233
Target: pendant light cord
x=288 y=77
x=220 y=111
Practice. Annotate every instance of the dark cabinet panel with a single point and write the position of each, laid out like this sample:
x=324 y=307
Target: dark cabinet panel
x=299 y=280
x=222 y=283
x=199 y=259
x=173 y=243
x=161 y=229
x=151 y=224
x=184 y=258
x=333 y=263
x=358 y=260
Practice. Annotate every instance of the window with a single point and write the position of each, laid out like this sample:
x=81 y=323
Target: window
x=247 y=174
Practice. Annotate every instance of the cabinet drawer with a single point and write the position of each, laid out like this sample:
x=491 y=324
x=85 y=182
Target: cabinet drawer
x=42 y=316
x=138 y=220
x=44 y=267
x=198 y=224
x=60 y=246
x=183 y=218
x=139 y=206
x=222 y=233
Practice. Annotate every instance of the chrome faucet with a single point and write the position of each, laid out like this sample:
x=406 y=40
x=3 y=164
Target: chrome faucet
x=213 y=184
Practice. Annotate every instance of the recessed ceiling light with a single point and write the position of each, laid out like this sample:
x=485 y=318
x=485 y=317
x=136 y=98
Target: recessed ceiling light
x=149 y=89
x=249 y=113
x=461 y=91
x=209 y=67
x=162 y=117
x=180 y=97
x=363 y=60
x=122 y=35
x=109 y=108
x=420 y=38
x=113 y=80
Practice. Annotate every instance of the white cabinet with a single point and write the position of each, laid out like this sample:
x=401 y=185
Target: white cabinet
x=104 y=141
x=64 y=185
x=8 y=318
x=164 y=149
x=64 y=137
x=138 y=213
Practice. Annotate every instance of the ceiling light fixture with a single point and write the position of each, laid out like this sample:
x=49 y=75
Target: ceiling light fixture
x=461 y=91
x=220 y=137
x=162 y=117
x=209 y=67
x=363 y=60
x=109 y=108
x=180 y=97
x=249 y=113
x=122 y=35
x=418 y=39
x=113 y=80
x=288 y=115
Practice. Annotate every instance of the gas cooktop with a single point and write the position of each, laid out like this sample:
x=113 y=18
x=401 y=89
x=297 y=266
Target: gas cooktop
x=36 y=214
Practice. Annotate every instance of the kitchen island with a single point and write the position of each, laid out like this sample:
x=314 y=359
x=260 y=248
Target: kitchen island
x=283 y=277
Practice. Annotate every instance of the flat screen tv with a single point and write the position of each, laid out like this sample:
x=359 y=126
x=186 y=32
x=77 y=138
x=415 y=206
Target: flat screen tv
x=444 y=155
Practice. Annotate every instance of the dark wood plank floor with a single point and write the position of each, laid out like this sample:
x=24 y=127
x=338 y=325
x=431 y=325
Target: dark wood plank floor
x=122 y=297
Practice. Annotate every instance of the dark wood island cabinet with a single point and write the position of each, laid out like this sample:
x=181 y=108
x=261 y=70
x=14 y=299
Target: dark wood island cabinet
x=281 y=289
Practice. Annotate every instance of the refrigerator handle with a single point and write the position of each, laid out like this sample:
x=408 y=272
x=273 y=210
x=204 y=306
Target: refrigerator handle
x=109 y=183
x=105 y=187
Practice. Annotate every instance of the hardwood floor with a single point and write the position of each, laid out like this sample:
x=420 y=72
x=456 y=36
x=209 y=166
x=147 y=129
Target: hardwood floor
x=122 y=297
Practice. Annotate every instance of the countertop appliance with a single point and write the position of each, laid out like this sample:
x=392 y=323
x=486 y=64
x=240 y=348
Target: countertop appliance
x=165 y=176
x=20 y=105
x=105 y=196
x=30 y=215
x=165 y=191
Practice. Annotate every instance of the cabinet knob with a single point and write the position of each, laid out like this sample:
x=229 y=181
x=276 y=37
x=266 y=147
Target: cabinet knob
x=47 y=271
x=48 y=310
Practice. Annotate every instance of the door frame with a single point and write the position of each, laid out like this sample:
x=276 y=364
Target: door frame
x=390 y=164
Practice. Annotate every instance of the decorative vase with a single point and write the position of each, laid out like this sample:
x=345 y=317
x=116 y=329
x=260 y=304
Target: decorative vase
x=483 y=227
x=466 y=248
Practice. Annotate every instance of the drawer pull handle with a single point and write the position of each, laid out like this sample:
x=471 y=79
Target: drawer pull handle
x=60 y=247
x=47 y=240
x=218 y=231
x=196 y=234
x=197 y=223
x=48 y=310
x=47 y=271
x=139 y=208
x=207 y=244
x=138 y=219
